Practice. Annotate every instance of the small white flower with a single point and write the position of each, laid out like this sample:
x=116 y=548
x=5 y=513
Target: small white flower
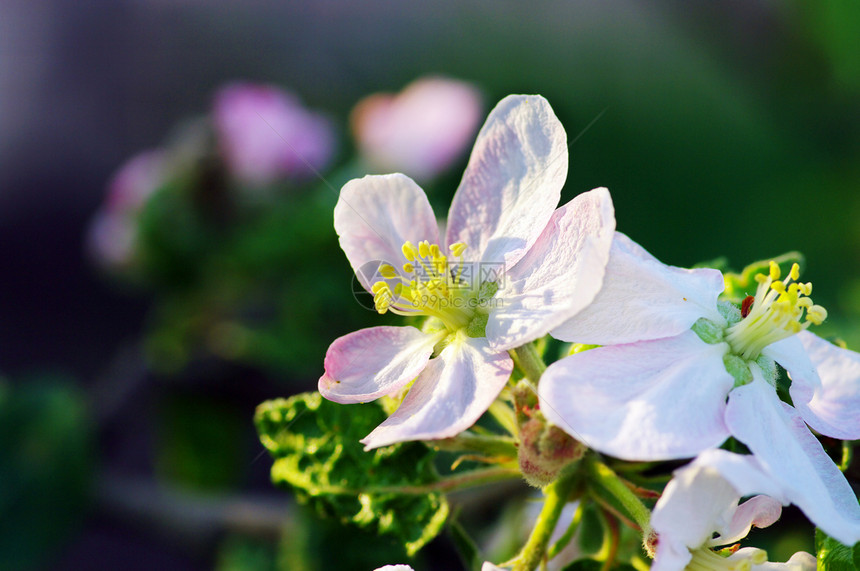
x=699 y=513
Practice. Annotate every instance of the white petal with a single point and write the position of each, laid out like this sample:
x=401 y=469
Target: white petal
x=643 y=298
x=375 y=215
x=559 y=275
x=696 y=502
x=833 y=406
x=512 y=183
x=744 y=471
x=793 y=357
x=452 y=392
x=777 y=436
x=654 y=400
x=800 y=561
x=369 y=363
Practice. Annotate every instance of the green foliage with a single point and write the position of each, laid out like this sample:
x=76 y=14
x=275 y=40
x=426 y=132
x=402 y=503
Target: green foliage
x=740 y=285
x=239 y=553
x=315 y=444
x=200 y=442
x=834 y=556
x=45 y=467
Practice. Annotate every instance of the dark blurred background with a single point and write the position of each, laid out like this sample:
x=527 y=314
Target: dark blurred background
x=722 y=129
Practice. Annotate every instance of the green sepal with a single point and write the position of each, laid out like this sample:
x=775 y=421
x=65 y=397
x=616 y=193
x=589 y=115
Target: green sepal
x=315 y=444
x=833 y=555
x=740 y=285
x=738 y=368
x=708 y=331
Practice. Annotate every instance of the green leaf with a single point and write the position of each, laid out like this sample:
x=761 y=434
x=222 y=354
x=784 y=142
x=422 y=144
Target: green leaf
x=591 y=530
x=466 y=546
x=834 y=556
x=315 y=444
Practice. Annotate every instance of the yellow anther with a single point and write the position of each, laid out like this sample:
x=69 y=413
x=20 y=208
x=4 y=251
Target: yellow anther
x=423 y=249
x=378 y=286
x=794 y=274
x=434 y=250
x=778 y=287
x=774 y=271
x=409 y=251
x=806 y=289
x=408 y=268
x=387 y=271
x=457 y=248
x=816 y=314
x=761 y=278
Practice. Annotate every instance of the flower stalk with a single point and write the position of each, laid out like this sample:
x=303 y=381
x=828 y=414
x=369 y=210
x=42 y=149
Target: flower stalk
x=557 y=495
x=527 y=359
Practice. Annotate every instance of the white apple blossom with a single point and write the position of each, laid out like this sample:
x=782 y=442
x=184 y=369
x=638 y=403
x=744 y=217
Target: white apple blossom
x=679 y=374
x=522 y=268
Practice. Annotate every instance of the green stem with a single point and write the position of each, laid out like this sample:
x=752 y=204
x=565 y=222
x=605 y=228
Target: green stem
x=443 y=485
x=535 y=548
x=562 y=541
x=470 y=442
x=601 y=475
x=529 y=362
x=847 y=454
x=505 y=416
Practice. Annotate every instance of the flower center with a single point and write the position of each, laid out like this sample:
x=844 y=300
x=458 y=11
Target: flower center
x=428 y=285
x=705 y=559
x=775 y=314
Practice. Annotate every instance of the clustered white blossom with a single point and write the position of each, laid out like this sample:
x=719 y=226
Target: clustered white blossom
x=676 y=372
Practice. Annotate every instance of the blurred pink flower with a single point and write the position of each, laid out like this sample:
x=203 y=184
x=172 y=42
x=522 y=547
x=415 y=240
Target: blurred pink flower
x=113 y=231
x=264 y=134
x=422 y=130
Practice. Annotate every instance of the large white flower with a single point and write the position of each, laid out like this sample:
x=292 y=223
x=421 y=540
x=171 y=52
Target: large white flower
x=675 y=377
x=699 y=513
x=519 y=267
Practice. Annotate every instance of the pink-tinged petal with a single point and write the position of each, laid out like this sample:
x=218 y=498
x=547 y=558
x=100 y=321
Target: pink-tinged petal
x=560 y=274
x=776 y=434
x=643 y=298
x=654 y=400
x=422 y=130
x=400 y=567
x=758 y=511
x=375 y=215
x=696 y=502
x=265 y=133
x=832 y=406
x=512 y=183
x=452 y=392
x=367 y=364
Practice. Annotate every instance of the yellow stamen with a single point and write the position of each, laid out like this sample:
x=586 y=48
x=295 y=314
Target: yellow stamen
x=781 y=309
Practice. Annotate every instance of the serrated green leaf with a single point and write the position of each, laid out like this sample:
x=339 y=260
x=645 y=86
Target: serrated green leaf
x=833 y=555
x=315 y=444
